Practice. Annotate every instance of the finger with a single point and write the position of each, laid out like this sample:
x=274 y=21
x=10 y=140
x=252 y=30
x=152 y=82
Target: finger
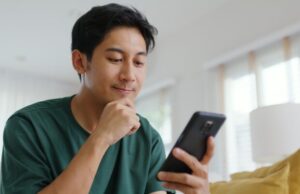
x=178 y=187
x=209 y=151
x=131 y=111
x=134 y=129
x=127 y=102
x=123 y=102
x=135 y=123
x=191 y=161
x=181 y=178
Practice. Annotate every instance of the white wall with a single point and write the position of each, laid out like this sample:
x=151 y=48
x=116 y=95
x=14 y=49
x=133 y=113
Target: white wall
x=18 y=89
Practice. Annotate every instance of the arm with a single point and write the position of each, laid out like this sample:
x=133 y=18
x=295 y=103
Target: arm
x=117 y=120
x=79 y=175
x=197 y=182
x=25 y=169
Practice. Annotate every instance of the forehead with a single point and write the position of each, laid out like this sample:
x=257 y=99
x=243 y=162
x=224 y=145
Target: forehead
x=125 y=38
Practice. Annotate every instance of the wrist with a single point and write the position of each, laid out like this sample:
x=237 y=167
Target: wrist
x=99 y=142
x=101 y=139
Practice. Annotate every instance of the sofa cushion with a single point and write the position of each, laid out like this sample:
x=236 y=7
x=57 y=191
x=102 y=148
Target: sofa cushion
x=273 y=183
x=294 y=174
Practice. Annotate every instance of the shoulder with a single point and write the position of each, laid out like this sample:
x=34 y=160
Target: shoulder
x=41 y=110
x=35 y=114
x=147 y=127
x=149 y=131
x=44 y=106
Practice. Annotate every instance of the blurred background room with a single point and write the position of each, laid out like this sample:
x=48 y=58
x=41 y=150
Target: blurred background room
x=227 y=56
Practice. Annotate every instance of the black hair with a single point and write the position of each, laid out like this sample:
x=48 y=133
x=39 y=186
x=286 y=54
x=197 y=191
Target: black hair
x=90 y=29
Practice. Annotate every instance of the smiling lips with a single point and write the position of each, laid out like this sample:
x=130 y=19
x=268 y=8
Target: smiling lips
x=124 y=90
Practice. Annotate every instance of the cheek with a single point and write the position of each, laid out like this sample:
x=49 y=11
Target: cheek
x=140 y=76
x=104 y=74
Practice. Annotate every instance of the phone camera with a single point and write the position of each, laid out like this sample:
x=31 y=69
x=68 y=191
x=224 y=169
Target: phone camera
x=208 y=125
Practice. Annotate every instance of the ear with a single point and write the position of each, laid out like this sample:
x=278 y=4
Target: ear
x=79 y=61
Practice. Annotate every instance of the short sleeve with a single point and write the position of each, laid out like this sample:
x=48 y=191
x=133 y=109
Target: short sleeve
x=157 y=158
x=24 y=168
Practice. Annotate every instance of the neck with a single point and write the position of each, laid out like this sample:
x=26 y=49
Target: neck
x=86 y=110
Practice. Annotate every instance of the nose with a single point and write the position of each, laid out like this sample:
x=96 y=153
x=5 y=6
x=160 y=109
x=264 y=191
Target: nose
x=127 y=72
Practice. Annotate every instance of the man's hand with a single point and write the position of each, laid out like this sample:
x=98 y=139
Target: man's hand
x=195 y=183
x=117 y=120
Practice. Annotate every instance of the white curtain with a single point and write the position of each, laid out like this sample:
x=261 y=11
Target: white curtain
x=240 y=99
x=267 y=76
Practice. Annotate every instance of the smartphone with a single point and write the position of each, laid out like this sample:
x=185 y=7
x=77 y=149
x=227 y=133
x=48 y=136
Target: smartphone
x=193 y=139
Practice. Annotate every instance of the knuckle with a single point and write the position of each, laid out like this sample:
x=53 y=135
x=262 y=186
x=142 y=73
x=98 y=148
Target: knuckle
x=196 y=163
x=108 y=106
x=185 y=178
x=113 y=103
x=112 y=106
x=122 y=112
x=201 y=184
x=199 y=168
x=195 y=160
x=117 y=106
x=205 y=174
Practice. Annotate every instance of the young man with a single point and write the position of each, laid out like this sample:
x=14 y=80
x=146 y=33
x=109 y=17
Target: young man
x=95 y=142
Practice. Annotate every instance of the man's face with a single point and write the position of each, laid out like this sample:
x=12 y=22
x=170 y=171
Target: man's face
x=117 y=68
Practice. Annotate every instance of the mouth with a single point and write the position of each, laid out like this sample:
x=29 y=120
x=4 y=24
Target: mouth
x=123 y=90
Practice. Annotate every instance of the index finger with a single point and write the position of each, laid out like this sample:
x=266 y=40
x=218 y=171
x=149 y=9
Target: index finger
x=191 y=161
x=209 y=151
x=127 y=102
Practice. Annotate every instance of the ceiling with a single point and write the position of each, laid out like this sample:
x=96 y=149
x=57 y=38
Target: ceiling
x=35 y=35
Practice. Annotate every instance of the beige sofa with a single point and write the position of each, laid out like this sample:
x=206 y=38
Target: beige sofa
x=282 y=177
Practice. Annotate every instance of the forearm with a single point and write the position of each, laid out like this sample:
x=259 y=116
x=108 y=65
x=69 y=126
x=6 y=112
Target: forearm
x=80 y=173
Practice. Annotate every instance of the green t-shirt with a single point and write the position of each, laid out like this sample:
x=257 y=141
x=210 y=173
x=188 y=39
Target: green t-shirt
x=40 y=140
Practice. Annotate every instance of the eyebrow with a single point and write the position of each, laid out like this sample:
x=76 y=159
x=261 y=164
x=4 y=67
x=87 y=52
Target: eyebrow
x=122 y=52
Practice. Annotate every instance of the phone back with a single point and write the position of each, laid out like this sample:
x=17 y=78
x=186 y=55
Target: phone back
x=194 y=139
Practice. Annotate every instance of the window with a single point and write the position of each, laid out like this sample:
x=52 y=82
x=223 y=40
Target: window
x=267 y=76
x=272 y=72
x=240 y=98
x=156 y=107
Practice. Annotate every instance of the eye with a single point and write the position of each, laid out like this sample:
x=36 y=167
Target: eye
x=139 y=63
x=115 y=60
